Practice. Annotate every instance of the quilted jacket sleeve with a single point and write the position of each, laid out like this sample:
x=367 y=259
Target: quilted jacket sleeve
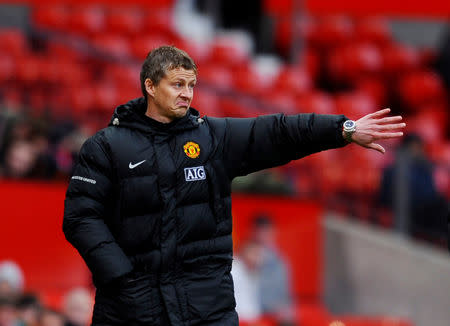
x=85 y=211
x=253 y=144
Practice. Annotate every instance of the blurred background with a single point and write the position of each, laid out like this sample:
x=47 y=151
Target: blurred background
x=346 y=234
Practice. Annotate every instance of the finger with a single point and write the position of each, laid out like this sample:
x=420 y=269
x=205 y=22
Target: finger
x=397 y=118
x=387 y=135
x=379 y=113
x=395 y=126
x=376 y=147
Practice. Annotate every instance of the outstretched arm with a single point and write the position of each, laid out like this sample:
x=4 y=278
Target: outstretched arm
x=253 y=144
x=377 y=126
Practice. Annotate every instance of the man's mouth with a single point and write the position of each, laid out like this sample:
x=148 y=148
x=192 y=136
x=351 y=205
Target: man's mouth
x=183 y=104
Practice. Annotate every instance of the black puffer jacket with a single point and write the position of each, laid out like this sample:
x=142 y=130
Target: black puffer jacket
x=149 y=208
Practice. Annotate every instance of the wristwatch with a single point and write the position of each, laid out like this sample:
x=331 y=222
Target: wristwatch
x=349 y=129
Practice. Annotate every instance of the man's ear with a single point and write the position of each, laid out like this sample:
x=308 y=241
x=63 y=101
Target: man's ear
x=149 y=87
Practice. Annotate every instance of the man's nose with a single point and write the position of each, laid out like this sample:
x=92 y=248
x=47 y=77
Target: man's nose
x=186 y=92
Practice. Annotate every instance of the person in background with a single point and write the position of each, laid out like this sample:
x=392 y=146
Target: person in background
x=77 y=309
x=408 y=188
x=8 y=312
x=29 y=309
x=20 y=160
x=246 y=276
x=51 y=317
x=11 y=280
x=275 y=286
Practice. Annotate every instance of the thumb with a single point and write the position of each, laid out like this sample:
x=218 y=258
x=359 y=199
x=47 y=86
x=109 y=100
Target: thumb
x=376 y=147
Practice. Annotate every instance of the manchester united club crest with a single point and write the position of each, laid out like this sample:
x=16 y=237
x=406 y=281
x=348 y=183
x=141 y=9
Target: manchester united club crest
x=191 y=149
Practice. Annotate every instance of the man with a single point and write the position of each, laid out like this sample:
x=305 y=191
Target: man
x=408 y=188
x=77 y=307
x=149 y=206
x=246 y=278
x=274 y=284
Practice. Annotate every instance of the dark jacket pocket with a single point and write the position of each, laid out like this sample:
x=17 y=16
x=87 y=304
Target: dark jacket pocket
x=133 y=300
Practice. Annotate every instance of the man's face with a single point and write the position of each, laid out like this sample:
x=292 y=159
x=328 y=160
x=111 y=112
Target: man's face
x=173 y=95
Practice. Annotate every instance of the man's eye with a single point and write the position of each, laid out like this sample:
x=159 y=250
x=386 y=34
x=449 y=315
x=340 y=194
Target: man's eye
x=191 y=86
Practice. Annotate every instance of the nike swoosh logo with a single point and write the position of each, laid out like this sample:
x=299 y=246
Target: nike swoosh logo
x=132 y=166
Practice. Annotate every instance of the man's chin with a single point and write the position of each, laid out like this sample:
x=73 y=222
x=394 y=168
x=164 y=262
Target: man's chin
x=180 y=112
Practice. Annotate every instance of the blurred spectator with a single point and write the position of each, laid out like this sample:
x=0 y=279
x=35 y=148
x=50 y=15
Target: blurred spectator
x=11 y=279
x=78 y=305
x=8 y=312
x=50 y=317
x=25 y=151
x=66 y=150
x=246 y=277
x=261 y=279
x=408 y=188
x=29 y=309
x=20 y=159
x=274 y=286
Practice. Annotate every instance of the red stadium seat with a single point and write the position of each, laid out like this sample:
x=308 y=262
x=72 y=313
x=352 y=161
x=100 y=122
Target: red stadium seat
x=217 y=77
x=280 y=101
x=310 y=60
x=112 y=44
x=123 y=75
x=229 y=54
x=332 y=31
x=124 y=21
x=295 y=80
x=54 y=17
x=126 y=93
x=140 y=46
x=207 y=103
x=420 y=88
x=159 y=22
x=284 y=32
x=38 y=101
x=430 y=123
x=13 y=42
x=248 y=81
x=374 y=30
x=50 y=70
x=63 y=50
x=398 y=59
x=7 y=68
x=105 y=97
x=73 y=73
x=81 y=99
x=198 y=51
x=233 y=108
x=87 y=20
x=28 y=69
x=354 y=61
x=278 y=7
x=375 y=87
x=440 y=152
x=354 y=105
x=316 y=102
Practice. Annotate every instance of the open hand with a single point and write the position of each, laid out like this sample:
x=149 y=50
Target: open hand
x=377 y=126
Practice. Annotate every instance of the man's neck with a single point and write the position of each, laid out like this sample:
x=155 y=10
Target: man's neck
x=152 y=112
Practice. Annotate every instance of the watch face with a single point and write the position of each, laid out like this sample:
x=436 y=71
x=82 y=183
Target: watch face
x=349 y=124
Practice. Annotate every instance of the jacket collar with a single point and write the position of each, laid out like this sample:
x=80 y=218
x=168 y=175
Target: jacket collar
x=132 y=115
